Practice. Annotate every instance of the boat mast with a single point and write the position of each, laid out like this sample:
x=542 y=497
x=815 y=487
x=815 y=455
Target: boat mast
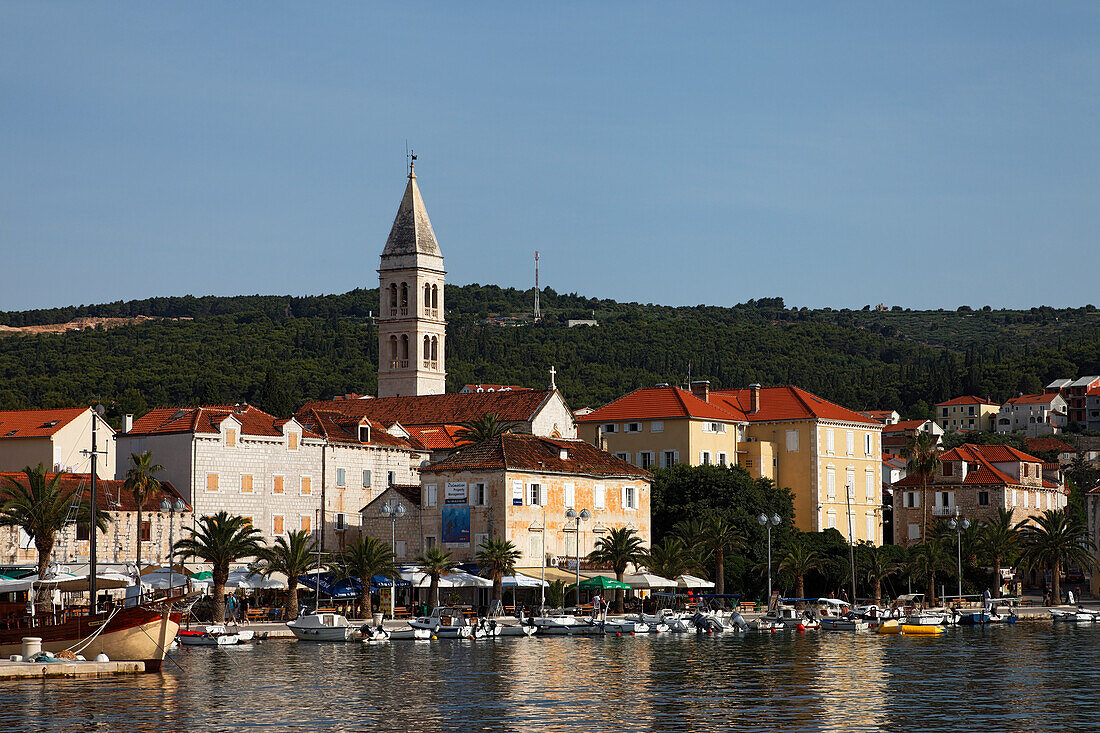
x=92 y=560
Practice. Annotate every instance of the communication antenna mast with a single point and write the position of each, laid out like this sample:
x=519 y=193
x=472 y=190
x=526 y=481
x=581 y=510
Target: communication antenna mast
x=538 y=313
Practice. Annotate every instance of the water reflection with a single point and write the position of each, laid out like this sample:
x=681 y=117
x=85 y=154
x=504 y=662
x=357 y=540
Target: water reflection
x=1033 y=677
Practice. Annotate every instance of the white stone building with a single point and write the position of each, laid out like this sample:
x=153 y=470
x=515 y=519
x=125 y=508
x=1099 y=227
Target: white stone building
x=1034 y=414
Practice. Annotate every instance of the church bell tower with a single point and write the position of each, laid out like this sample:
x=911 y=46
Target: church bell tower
x=411 y=329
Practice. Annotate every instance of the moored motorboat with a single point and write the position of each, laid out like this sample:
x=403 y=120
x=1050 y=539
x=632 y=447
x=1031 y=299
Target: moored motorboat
x=449 y=622
x=322 y=627
x=1080 y=615
x=845 y=623
x=981 y=618
x=212 y=635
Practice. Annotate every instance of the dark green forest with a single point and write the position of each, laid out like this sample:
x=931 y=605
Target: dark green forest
x=279 y=351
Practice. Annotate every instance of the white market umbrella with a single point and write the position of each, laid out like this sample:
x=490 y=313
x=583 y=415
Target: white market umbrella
x=164 y=578
x=690 y=581
x=520 y=580
x=246 y=580
x=648 y=580
x=454 y=579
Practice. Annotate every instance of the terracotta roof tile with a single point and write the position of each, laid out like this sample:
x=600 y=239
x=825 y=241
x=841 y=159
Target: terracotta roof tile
x=208 y=418
x=443 y=409
x=436 y=437
x=786 y=403
x=662 y=403
x=1048 y=444
x=904 y=426
x=522 y=452
x=1032 y=399
x=966 y=400
x=15 y=424
x=339 y=428
x=110 y=494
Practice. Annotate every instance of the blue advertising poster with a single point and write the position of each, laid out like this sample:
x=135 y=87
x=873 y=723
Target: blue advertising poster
x=456 y=525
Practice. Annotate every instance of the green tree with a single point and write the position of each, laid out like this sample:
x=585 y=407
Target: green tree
x=497 y=558
x=40 y=507
x=620 y=548
x=293 y=555
x=671 y=558
x=922 y=460
x=1053 y=541
x=434 y=563
x=999 y=541
x=798 y=562
x=484 y=428
x=877 y=566
x=929 y=558
x=364 y=559
x=141 y=482
x=713 y=535
x=221 y=539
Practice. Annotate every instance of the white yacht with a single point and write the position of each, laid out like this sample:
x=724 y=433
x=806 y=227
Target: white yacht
x=323 y=627
x=449 y=622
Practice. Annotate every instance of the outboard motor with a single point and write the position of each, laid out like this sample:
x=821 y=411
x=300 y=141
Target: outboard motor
x=738 y=621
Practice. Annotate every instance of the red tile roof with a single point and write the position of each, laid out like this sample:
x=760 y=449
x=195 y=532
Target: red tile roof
x=436 y=437
x=493 y=388
x=786 y=403
x=522 y=452
x=1032 y=399
x=208 y=418
x=966 y=400
x=879 y=415
x=441 y=409
x=904 y=426
x=16 y=424
x=984 y=456
x=110 y=494
x=1048 y=444
x=339 y=428
x=662 y=403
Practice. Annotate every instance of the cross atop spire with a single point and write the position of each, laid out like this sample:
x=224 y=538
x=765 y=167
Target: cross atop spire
x=553 y=373
x=412 y=164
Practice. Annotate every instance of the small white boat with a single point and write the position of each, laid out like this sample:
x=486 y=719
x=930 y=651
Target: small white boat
x=323 y=627
x=927 y=618
x=448 y=622
x=626 y=626
x=512 y=630
x=212 y=635
x=1079 y=615
x=845 y=623
x=766 y=624
x=409 y=633
x=557 y=625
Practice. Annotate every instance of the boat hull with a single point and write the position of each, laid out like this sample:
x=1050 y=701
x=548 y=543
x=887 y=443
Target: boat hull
x=921 y=630
x=137 y=633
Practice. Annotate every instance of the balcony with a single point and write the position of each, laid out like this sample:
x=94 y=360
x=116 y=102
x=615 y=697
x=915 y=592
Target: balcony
x=943 y=511
x=431 y=365
x=393 y=311
x=399 y=364
x=403 y=310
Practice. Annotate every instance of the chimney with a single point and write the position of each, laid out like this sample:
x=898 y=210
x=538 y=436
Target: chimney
x=127 y=423
x=754 y=398
x=701 y=389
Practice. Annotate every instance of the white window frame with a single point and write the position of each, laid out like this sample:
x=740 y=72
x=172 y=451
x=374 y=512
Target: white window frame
x=664 y=458
x=480 y=493
x=646 y=454
x=609 y=428
x=570 y=495
x=340 y=522
x=850 y=482
x=633 y=427
x=792 y=441
x=623 y=456
x=599 y=496
x=869 y=444
x=629 y=498
x=704 y=458
x=830 y=520
x=366 y=478
x=850 y=442
x=914 y=531
x=723 y=460
x=341 y=478
x=872 y=527
x=431 y=495
x=870 y=485
x=830 y=483
x=657 y=426
x=830 y=441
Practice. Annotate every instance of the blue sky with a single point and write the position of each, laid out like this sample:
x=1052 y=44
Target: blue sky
x=835 y=154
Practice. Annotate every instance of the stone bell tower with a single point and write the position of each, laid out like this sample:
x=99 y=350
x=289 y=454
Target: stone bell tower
x=411 y=329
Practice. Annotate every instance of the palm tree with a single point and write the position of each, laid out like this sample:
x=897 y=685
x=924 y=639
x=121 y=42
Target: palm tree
x=141 y=482
x=877 y=567
x=364 y=559
x=497 y=558
x=671 y=558
x=929 y=558
x=1055 y=540
x=221 y=539
x=293 y=555
x=800 y=560
x=621 y=547
x=41 y=507
x=435 y=563
x=999 y=540
x=922 y=461
x=714 y=535
x=486 y=427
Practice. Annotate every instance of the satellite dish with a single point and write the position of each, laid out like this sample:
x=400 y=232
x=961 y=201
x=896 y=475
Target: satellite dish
x=99 y=410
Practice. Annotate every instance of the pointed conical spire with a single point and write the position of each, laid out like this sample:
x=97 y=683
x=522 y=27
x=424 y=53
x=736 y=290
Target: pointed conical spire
x=412 y=229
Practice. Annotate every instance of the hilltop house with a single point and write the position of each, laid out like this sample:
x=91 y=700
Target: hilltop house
x=58 y=439
x=966 y=413
x=1035 y=414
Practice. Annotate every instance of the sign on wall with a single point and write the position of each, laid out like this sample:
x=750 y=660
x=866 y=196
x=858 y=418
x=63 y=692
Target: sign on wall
x=517 y=493
x=456 y=525
x=454 y=492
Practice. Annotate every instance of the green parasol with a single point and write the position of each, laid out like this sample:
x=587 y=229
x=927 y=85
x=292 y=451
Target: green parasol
x=601 y=582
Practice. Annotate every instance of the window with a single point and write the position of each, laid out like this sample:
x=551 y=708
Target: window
x=341 y=478
x=340 y=523
x=277 y=524
x=623 y=456
x=657 y=426
x=429 y=542
x=970 y=410
x=1027 y=500
x=82 y=533
x=722 y=459
x=247 y=521
x=645 y=459
x=430 y=499
x=599 y=496
x=391 y=478
x=669 y=458
x=830 y=483
x=872 y=527
x=481 y=496
x=1014 y=497
x=246 y=484
x=704 y=458
x=714 y=427
x=306 y=523
x=792 y=441
x=570 y=495
x=912 y=500
x=292 y=441
x=850 y=483
x=211 y=482
x=307 y=485
x=366 y=479
x=868 y=444
x=870 y=487
x=748 y=463
x=276 y=484
x=535 y=495
x=633 y=427
x=850 y=442
x=831 y=520
x=399 y=550
x=914 y=531
x=146 y=530
x=945 y=412
x=231 y=438
x=948 y=468
x=629 y=499
x=830 y=442
x=609 y=427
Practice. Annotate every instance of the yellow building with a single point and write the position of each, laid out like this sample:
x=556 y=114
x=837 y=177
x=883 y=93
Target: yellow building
x=59 y=439
x=664 y=425
x=967 y=413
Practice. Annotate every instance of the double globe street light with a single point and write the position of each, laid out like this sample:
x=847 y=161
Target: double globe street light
x=583 y=516
x=171 y=508
x=773 y=521
x=394 y=511
x=959 y=525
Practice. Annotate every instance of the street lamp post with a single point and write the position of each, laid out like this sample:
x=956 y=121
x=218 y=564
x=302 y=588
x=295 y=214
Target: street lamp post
x=394 y=512
x=773 y=521
x=171 y=508
x=959 y=525
x=583 y=516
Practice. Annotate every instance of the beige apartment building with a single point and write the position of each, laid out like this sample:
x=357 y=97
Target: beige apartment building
x=58 y=439
x=967 y=413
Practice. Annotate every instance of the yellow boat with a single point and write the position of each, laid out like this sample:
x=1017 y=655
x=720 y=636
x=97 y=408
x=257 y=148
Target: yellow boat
x=921 y=630
x=889 y=626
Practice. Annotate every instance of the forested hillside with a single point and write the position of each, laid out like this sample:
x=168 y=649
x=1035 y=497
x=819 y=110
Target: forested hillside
x=278 y=351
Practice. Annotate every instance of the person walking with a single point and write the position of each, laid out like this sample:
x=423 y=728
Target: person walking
x=987 y=601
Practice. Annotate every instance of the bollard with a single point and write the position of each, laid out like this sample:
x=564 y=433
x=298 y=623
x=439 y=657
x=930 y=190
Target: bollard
x=31 y=646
